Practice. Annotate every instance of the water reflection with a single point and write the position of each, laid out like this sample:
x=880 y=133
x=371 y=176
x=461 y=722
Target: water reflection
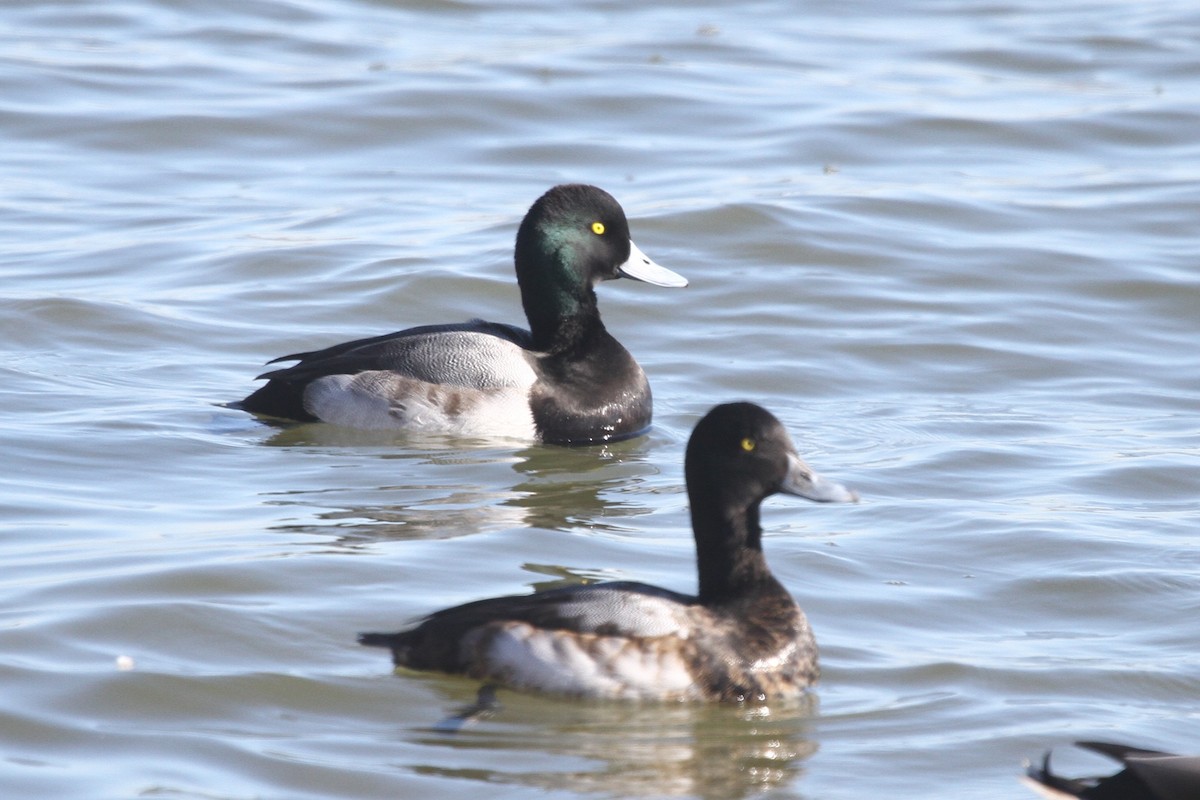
x=631 y=750
x=563 y=488
x=447 y=487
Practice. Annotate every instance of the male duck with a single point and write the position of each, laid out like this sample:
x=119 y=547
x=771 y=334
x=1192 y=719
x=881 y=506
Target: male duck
x=742 y=637
x=566 y=380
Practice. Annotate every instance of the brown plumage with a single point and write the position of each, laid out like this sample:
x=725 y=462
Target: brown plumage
x=741 y=637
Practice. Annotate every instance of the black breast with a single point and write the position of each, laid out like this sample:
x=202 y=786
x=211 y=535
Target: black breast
x=601 y=396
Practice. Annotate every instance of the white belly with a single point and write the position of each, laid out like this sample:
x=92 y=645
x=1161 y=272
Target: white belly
x=589 y=665
x=382 y=400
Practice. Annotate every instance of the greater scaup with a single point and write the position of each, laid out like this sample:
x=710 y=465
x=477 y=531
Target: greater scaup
x=565 y=380
x=742 y=637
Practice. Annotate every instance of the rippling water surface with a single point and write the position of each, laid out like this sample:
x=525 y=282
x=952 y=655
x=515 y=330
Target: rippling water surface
x=952 y=245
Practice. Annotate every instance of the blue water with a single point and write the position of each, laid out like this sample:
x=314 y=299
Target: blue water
x=953 y=246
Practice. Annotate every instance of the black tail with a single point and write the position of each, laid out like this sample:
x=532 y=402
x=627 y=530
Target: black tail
x=387 y=640
x=277 y=398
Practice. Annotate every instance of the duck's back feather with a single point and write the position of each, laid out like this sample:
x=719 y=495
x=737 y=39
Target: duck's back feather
x=434 y=377
x=477 y=354
x=614 y=640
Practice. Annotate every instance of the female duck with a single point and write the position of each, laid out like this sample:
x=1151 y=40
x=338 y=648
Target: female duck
x=742 y=637
x=565 y=380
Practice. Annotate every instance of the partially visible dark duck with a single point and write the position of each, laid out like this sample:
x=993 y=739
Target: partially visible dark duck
x=1148 y=775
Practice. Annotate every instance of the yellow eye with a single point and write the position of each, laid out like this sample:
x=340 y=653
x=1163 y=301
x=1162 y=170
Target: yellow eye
x=597 y=228
x=748 y=444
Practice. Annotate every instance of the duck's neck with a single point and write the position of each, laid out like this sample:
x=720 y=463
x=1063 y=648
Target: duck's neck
x=561 y=320
x=729 y=553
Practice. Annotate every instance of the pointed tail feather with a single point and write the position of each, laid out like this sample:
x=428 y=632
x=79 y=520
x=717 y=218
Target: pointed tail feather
x=377 y=639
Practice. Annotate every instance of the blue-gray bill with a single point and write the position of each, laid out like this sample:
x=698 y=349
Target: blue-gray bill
x=803 y=482
x=640 y=267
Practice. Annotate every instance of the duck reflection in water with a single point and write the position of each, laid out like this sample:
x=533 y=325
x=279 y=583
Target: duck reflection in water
x=694 y=750
x=451 y=488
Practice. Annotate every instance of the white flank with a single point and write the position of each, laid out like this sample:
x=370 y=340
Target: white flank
x=383 y=400
x=587 y=665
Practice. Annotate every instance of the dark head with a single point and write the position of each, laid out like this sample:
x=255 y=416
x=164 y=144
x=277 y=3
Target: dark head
x=742 y=453
x=573 y=237
x=739 y=455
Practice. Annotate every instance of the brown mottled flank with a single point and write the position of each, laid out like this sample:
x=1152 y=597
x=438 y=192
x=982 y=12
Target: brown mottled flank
x=724 y=663
x=454 y=404
x=452 y=400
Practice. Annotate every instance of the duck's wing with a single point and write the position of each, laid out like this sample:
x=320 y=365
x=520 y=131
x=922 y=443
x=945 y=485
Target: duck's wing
x=365 y=383
x=474 y=354
x=617 y=609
